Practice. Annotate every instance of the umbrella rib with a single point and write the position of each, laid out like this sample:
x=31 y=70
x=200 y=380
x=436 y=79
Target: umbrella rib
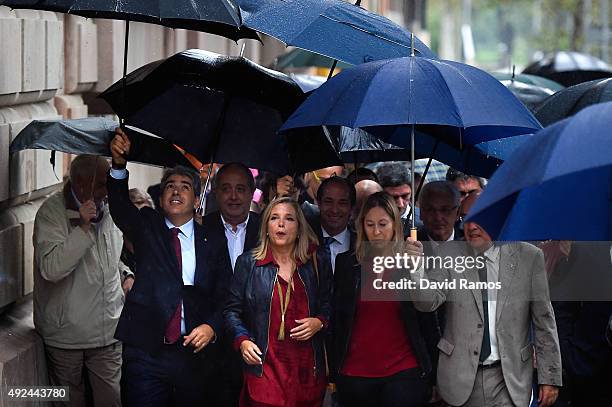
x=369 y=32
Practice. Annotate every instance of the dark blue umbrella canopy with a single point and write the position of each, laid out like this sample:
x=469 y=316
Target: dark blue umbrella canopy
x=221 y=17
x=450 y=101
x=333 y=28
x=557 y=185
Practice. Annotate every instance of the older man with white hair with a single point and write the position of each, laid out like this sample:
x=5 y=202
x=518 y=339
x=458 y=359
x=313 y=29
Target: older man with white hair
x=77 y=288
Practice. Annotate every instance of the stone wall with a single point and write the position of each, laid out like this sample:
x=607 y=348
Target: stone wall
x=52 y=66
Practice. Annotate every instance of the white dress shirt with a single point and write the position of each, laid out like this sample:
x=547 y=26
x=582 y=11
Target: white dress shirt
x=341 y=244
x=492 y=256
x=235 y=239
x=186 y=238
x=435 y=244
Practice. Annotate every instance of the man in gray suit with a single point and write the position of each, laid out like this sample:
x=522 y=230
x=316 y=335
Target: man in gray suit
x=486 y=351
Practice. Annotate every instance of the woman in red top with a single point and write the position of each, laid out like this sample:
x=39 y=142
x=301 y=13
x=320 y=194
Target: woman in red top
x=278 y=304
x=380 y=351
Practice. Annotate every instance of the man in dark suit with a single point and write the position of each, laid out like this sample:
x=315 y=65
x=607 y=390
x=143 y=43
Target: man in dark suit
x=231 y=231
x=439 y=202
x=336 y=197
x=173 y=313
x=581 y=288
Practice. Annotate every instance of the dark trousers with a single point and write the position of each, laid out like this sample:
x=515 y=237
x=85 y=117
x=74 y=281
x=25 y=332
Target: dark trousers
x=405 y=389
x=172 y=376
x=231 y=367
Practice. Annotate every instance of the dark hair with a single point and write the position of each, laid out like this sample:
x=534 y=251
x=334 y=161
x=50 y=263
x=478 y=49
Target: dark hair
x=239 y=167
x=338 y=181
x=452 y=175
x=393 y=175
x=266 y=181
x=360 y=174
x=184 y=172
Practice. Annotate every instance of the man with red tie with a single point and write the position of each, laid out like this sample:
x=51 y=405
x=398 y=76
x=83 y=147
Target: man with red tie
x=173 y=313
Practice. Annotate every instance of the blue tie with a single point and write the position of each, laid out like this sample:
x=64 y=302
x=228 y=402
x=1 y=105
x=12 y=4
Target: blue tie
x=327 y=241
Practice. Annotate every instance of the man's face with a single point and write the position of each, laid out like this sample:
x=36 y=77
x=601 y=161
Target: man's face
x=439 y=214
x=401 y=195
x=467 y=187
x=335 y=208
x=83 y=187
x=477 y=237
x=178 y=197
x=233 y=195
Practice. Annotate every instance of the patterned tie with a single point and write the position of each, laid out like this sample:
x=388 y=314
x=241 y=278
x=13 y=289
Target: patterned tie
x=485 y=348
x=173 y=329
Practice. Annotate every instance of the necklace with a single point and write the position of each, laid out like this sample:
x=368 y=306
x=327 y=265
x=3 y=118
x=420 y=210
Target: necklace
x=283 y=305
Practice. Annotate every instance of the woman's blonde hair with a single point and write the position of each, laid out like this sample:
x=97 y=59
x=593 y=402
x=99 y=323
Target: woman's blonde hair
x=305 y=235
x=386 y=202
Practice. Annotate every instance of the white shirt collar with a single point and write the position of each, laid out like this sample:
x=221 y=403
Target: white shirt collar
x=492 y=253
x=341 y=237
x=451 y=238
x=240 y=227
x=186 y=228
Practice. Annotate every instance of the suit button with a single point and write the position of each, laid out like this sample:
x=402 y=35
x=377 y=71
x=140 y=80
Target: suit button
x=479 y=326
x=475 y=352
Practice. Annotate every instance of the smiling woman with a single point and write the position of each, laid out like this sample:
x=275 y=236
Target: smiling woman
x=279 y=303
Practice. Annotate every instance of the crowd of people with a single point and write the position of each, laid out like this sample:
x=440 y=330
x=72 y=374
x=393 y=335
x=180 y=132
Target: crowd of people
x=142 y=302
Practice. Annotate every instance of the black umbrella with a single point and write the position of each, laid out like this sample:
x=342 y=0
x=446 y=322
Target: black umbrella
x=359 y=146
x=570 y=68
x=570 y=101
x=219 y=108
x=220 y=17
x=93 y=135
x=529 y=95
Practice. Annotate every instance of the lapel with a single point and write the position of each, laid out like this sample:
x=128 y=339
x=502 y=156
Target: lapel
x=199 y=245
x=252 y=232
x=507 y=268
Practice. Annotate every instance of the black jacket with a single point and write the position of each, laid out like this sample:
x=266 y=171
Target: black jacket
x=158 y=287
x=215 y=232
x=247 y=311
x=347 y=283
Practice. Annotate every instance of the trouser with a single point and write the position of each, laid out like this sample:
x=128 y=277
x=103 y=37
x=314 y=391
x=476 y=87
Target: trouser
x=103 y=369
x=490 y=389
x=406 y=389
x=171 y=376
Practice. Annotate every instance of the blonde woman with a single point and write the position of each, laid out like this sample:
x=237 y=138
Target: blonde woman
x=278 y=306
x=381 y=348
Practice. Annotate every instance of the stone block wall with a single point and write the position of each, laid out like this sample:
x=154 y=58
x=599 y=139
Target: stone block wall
x=52 y=66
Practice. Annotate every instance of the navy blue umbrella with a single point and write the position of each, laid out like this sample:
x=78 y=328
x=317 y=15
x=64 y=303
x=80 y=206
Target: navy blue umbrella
x=450 y=102
x=456 y=103
x=333 y=28
x=557 y=185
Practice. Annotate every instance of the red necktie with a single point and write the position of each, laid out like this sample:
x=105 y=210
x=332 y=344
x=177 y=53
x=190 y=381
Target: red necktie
x=173 y=330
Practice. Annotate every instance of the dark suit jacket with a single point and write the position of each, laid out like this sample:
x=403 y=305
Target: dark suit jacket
x=215 y=232
x=158 y=286
x=581 y=323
